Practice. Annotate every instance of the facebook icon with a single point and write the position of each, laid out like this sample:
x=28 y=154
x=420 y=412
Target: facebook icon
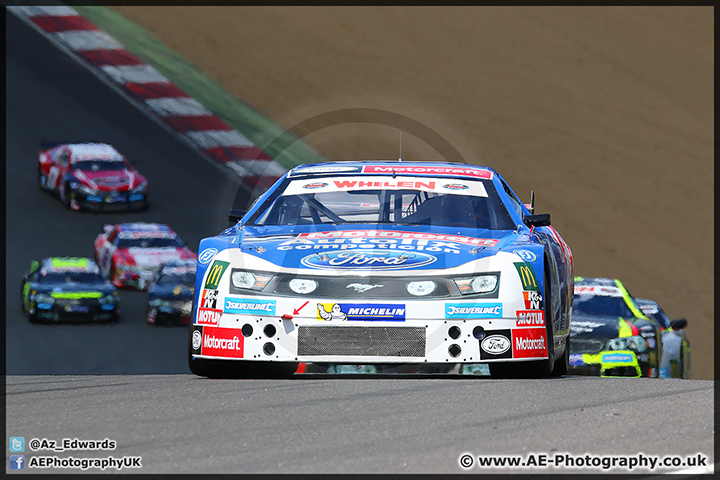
x=17 y=462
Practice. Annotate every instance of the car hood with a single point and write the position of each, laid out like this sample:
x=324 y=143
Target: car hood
x=374 y=248
x=172 y=292
x=117 y=180
x=74 y=290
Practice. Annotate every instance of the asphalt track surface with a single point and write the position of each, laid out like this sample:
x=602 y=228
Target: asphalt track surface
x=97 y=382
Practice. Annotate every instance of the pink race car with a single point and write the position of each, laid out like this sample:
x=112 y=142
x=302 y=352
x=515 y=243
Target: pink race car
x=130 y=254
x=91 y=176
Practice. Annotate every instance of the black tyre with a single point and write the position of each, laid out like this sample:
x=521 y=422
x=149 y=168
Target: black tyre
x=22 y=296
x=42 y=180
x=562 y=364
x=65 y=195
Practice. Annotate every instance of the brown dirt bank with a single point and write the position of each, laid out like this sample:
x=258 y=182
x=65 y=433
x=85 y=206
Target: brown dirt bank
x=606 y=112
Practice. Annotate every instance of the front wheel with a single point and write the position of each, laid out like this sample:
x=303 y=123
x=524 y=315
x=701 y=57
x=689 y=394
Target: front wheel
x=562 y=364
x=65 y=195
x=42 y=179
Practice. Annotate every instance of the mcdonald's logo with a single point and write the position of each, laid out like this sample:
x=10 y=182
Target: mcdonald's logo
x=215 y=273
x=527 y=276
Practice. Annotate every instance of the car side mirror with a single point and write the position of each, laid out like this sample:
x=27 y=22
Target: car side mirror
x=235 y=216
x=679 y=324
x=540 y=220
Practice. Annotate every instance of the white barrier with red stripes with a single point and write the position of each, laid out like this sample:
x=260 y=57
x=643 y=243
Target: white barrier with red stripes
x=141 y=82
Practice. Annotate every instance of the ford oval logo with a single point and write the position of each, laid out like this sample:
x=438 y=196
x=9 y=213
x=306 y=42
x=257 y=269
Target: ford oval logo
x=526 y=255
x=363 y=258
x=495 y=344
x=196 y=339
x=207 y=255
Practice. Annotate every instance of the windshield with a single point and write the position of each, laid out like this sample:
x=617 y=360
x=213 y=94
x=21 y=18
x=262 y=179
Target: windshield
x=70 y=277
x=176 y=278
x=150 y=242
x=587 y=343
x=98 y=165
x=601 y=305
x=379 y=199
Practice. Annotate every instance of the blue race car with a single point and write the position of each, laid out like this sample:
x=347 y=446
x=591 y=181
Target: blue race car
x=384 y=263
x=68 y=289
x=170 y=294
x=675 y=358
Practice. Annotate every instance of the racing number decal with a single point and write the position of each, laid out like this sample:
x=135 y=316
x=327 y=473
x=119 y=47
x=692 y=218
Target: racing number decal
x=527 y=276
x=215 y=274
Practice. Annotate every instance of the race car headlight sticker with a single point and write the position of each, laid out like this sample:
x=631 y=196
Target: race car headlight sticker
x=44 y=298
x=84 y=189
x=478 y=284
x=421 y=288
x=107 y=299
x=302 y=285
x=185 y=307
x=140 y=188
x=249 y=280
x=635 y=343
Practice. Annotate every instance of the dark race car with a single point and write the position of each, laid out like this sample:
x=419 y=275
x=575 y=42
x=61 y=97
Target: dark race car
x=386 y=263
x=607 y=346
x=609 y=334
x=92 y=176
x=130 y=254
x=170 y=294
x=68 y=289
x=675 y=360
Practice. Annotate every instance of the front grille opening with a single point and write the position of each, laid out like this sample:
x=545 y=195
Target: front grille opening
x=361 y=341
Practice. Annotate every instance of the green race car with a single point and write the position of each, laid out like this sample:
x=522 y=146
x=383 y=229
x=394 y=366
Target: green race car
x=68 y=289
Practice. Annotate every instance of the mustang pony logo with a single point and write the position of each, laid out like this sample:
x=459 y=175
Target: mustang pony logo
x=360 y=288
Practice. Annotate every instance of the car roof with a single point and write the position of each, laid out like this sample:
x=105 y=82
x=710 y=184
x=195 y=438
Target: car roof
x=84 y=151
x=142 y=227
x=369 y=167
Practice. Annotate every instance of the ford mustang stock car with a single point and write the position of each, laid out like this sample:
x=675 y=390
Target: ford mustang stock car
x=610 y=335
x=130 y=254
x=170 y=294
x=91 y=176
x=68 y=289
x=675 y=359
x=383 y=262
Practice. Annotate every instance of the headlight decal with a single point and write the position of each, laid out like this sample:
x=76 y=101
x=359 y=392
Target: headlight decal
x=485 y=283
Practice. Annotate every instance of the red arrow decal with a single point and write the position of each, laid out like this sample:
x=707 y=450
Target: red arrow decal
x=297 y=310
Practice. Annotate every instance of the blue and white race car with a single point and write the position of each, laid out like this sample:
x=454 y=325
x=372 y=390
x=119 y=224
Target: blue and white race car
x=384 y=262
